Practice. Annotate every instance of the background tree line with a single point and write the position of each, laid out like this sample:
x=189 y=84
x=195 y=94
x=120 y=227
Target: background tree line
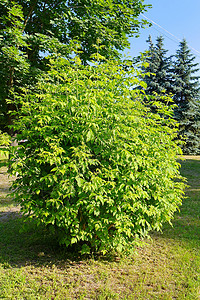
x=176 y=75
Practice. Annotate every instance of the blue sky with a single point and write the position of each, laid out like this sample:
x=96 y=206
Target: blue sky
x=180 y=17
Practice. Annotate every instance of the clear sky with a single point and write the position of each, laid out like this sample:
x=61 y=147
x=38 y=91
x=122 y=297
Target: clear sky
x=180 y=17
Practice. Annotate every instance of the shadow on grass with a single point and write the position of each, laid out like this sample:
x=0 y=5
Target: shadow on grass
x=33 y=246
x=37 y=246
x=184 y=230
x=190 y=169
x=186 y=224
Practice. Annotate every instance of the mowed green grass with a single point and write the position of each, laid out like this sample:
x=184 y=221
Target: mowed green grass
x=33 y=266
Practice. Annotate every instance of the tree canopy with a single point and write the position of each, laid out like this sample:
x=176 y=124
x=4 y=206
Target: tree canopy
x=31 y=29
x=45 y=21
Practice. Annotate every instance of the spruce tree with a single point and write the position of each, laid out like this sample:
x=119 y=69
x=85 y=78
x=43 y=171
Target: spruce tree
x=187 y=98
x=158 y=69
x=151 y=68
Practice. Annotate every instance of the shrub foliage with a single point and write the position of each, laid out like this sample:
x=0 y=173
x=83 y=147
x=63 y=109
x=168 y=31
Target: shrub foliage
x=95 y=164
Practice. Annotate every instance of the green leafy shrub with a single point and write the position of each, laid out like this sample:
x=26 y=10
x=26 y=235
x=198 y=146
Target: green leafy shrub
x=5 y=141
x=96 y=164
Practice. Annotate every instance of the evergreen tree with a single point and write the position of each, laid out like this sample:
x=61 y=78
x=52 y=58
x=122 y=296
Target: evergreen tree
x=158 y=69
x=187 y=98
x=163 y=70
x=151 y=68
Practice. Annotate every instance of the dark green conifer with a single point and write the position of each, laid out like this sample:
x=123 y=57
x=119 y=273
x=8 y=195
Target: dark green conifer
x=187 y=97
x=159 y=66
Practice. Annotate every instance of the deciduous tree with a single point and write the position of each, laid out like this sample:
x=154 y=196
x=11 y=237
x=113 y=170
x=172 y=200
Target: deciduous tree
x=31 y=29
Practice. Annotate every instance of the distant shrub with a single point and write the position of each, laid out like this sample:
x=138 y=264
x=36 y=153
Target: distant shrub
x=5 y=141
x=96 y=164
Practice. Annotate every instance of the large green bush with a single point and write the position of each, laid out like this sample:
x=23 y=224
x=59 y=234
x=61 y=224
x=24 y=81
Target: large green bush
x=96 y=164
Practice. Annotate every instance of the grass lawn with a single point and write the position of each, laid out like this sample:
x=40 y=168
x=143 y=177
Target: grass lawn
x=33 y=266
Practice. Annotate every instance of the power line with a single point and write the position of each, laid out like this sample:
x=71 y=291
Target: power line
x=162 y=28
x=165 y=35
x=173 y=40
x=169 y=33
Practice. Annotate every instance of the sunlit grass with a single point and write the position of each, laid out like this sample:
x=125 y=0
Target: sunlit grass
x=33 y=266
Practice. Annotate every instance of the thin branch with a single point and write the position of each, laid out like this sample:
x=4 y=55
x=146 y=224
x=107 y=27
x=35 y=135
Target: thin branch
x=29 y=14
